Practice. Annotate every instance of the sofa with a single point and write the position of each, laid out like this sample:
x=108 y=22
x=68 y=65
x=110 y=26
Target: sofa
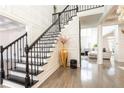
x=93 y=54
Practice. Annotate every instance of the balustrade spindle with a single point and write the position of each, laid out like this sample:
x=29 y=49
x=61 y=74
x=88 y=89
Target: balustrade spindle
x=2 y=65
x=37 y=57
x=32 y=72
x=14 y=56
x=11 y=56
x=20 y=51
x=17 y=51
x=7 y=62
x=23 y=46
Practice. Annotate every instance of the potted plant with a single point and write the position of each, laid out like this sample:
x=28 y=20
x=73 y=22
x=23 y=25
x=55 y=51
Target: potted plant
x=63 y=51
x=95 y=47
x=63 y=39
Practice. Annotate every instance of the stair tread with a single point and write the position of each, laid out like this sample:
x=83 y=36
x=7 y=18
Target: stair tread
x=49 y=36
x=45 y=57
x=38 y=64
x=47 y=39
x=41 y=51
x=22 y=70
x=19 y=80
x=48 y=43
x=52 y=34
x=46 y=47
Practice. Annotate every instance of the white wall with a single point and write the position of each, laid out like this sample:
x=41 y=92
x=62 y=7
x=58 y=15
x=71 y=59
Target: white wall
x=36 y=18
x=119 y=53
x=106 y=40
x=60 y=7
x=72 y=32
x=87 y=35
x=91 y=12
x=8 y=36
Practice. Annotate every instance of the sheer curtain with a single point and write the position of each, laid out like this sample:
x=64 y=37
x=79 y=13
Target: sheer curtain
x=88 y=38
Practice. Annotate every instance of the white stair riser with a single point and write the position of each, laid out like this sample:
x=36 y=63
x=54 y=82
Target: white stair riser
x=24 y=66
x=48 y=54
x=44 y=49
x=46 y=45
x=50 y=36
x=48 y=39
x=36 y=59
x=52 y=41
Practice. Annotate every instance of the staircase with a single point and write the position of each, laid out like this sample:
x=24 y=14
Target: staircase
x=20 y=63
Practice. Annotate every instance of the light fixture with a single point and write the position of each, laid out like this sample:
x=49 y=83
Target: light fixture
x=120 y=13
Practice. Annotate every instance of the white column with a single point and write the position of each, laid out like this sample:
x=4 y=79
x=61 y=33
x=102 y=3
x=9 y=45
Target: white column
x=100 y=46
x=119 y=49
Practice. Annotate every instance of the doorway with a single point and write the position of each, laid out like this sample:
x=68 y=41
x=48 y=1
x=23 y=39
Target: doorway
x=88 y=44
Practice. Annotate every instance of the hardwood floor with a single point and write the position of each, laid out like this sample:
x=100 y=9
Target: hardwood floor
x=91 y=75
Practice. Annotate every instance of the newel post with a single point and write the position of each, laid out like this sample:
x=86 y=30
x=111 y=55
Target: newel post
x=27 y=78
x=59 y=21
x=2 y=75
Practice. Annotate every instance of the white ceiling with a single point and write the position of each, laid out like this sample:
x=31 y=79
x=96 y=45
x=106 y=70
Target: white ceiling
x=9 y=24
x=112 y=18
x=90 y=21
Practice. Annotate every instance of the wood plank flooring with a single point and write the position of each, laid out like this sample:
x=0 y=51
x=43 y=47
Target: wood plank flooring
x=90 y=75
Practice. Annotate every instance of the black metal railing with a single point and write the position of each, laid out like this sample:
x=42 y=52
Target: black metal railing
x=11 y=55
x=71 y=10
x=88 y=7
x=38 y=50
x=36 y=53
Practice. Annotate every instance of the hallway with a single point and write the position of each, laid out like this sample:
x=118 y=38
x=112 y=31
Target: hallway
x=91 y=75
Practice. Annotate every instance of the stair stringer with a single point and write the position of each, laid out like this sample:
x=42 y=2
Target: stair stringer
x=52 y=65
